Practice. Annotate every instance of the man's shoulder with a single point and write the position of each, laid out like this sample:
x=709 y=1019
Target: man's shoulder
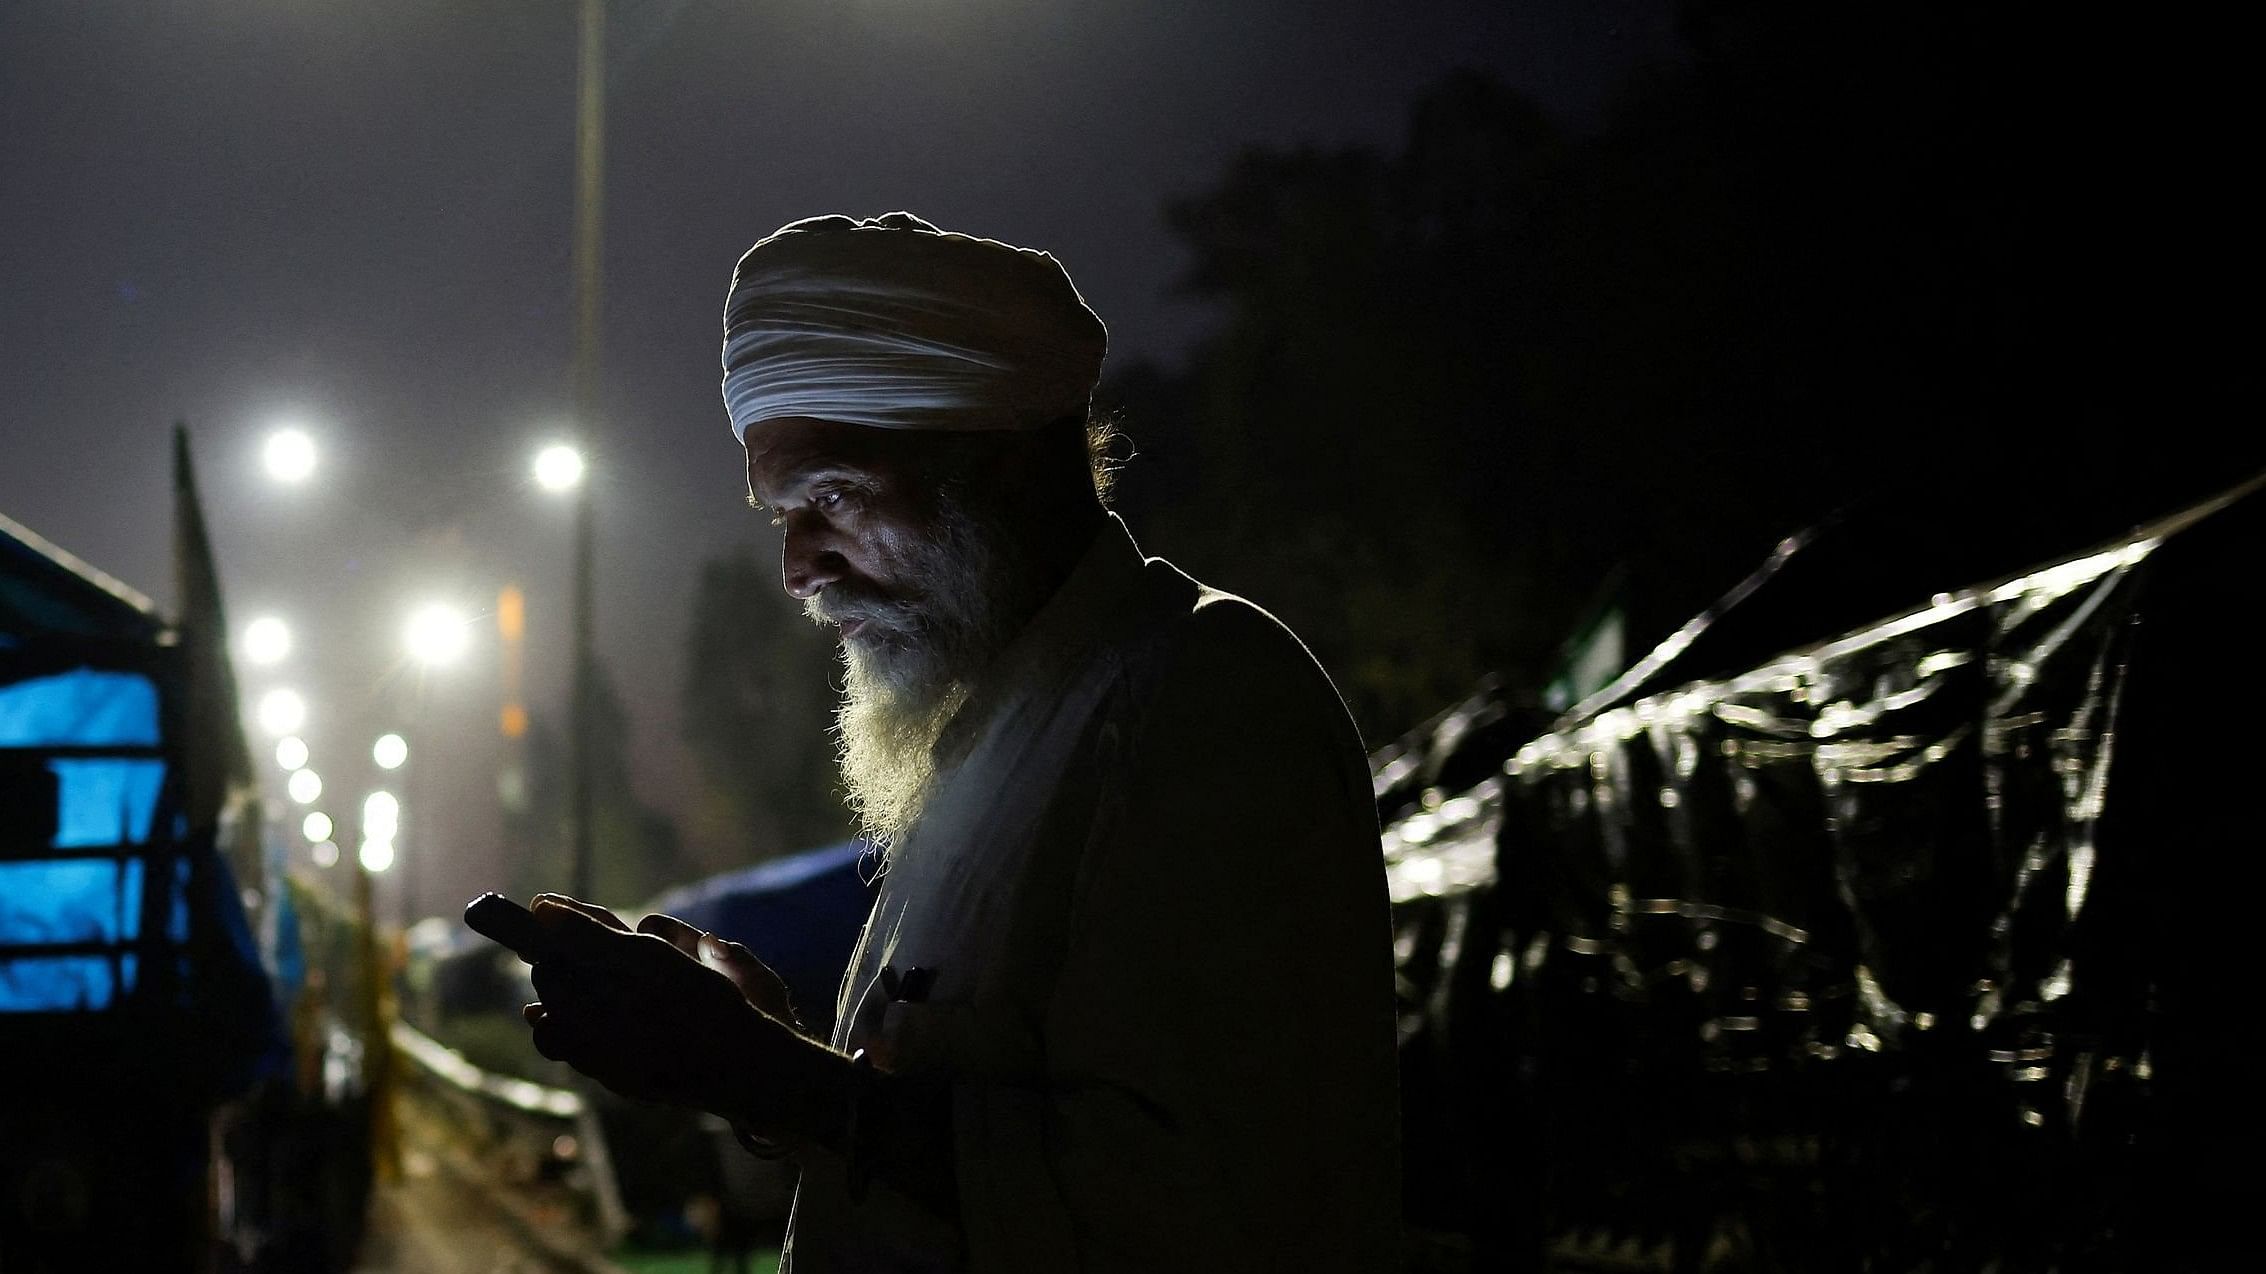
x=1227 y=646
x=1201 y=620
x=1237 y=623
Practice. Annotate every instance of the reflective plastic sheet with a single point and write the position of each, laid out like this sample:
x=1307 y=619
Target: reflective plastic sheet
x=1806 y=968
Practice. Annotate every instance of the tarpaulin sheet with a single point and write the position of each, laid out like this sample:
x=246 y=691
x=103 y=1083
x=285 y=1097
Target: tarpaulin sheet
x=103 y=803
x=81 y=708
x=48 y=595
x=1810 y=967
x=801 y=914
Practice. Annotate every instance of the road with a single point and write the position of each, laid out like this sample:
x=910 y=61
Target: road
x=445 y=1215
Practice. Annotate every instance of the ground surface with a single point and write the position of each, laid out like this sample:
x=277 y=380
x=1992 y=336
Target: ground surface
x=449 y=1213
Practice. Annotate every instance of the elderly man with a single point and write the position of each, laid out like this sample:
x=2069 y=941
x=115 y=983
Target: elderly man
x=1124 y=1001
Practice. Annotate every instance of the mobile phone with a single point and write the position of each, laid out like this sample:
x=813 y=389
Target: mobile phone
x=499 y=919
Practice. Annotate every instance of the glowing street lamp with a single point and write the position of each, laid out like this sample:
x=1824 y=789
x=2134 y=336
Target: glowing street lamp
x=266 y=640
x=317 y=826
x=376 y=855
x=381 y=816
x=281 y=711
x=437 y=635
x=389 y=751
x=291 y=754
x=558 y=467
x=304 y=786
x=289 y=455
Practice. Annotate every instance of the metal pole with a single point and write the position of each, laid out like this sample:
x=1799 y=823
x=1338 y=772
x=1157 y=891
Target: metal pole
x=589 y=209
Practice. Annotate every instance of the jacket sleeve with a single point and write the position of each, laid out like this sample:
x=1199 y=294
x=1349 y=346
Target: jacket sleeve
x=1219 y=1089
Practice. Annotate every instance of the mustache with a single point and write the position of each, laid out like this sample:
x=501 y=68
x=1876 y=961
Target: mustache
x=837 y=604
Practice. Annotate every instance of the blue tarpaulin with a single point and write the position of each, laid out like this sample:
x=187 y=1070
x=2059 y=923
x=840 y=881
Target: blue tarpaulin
x=85 y=707
x=90 y=820
x=104 y=806
x=799 y=914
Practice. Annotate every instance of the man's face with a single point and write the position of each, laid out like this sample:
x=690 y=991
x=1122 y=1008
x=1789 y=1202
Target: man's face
x=923 y=591
x=855 y=513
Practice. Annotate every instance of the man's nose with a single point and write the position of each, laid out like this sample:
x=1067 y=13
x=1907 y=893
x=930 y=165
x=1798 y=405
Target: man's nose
x=809 y=564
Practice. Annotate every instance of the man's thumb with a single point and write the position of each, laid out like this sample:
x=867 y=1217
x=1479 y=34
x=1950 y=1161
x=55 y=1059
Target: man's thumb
x=756 y=981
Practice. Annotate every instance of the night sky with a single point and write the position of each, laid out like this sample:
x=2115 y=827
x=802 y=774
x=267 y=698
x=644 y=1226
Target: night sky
x=356 y=217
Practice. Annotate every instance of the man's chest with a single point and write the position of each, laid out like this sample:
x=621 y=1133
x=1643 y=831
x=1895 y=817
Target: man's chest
x=957 y=963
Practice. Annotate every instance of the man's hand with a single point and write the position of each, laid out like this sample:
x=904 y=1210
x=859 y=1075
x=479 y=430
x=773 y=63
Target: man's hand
x=673 y=1015
x=757 y=983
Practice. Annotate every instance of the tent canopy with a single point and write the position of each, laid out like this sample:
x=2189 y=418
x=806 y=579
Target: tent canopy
x=82 y=778
x=47 y=595
x=800 y=914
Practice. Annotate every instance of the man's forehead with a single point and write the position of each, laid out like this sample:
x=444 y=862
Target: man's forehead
x=783 y=452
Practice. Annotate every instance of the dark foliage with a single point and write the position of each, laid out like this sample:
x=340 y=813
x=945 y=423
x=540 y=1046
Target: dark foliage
x=758 y=702
x=1859 y=265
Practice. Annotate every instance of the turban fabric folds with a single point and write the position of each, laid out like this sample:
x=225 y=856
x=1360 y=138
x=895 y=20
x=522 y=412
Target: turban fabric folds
x=895 y=324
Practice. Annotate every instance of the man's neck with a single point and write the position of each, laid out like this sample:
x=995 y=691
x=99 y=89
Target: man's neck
x=1057 y=542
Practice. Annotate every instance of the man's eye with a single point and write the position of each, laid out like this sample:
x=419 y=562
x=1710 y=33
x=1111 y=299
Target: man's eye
x=826 y=500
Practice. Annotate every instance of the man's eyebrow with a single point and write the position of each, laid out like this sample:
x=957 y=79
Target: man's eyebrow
x=809 y=472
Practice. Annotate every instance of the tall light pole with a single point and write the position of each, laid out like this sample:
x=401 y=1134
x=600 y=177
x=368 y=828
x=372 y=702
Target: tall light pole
x=589 y=216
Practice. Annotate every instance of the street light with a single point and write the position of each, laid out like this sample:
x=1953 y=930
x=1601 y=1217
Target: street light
x=304 y=786
x=377 y=855
x=558 y=467
x=289 y=455
x=389 y=751
x=266 y=640
x=381 y=816
x=281 y=711
x=317 y=826
x=437 y=635
x=291 y=754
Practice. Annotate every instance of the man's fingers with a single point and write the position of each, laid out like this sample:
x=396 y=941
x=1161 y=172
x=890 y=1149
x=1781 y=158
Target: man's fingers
x=590 y=909
x=575 y=930
x=577 y=991
x=758 y=985
x=550 y=979
x=673 y=931
x=553 y=1039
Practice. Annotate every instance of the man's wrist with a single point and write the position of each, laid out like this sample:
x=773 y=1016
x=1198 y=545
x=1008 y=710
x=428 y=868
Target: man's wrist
x=787 y=1087
x=798 y=1095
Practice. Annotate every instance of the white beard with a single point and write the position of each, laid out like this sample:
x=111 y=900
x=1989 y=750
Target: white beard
x=886 y=746
x=913 y=665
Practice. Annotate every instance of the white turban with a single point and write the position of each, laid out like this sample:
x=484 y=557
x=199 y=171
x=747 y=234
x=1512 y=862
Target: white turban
x=896 y=324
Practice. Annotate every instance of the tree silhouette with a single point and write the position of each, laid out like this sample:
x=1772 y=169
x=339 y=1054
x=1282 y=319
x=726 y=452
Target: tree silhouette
x=757 y=706
x=1818 y=271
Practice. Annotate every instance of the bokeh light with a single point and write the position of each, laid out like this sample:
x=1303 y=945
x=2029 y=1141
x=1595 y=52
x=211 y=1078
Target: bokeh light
x=289 y=455
x=267 y=640
x=558 y=467
x=381 y=815
x=377 y=855
x=437 y=635
x=291 y=753
x=389 y=751
x=317 y=826
x=281 y=711
x=325 y=853
x=304 y=786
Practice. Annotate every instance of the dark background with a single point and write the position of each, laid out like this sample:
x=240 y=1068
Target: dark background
x=1432 y=326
